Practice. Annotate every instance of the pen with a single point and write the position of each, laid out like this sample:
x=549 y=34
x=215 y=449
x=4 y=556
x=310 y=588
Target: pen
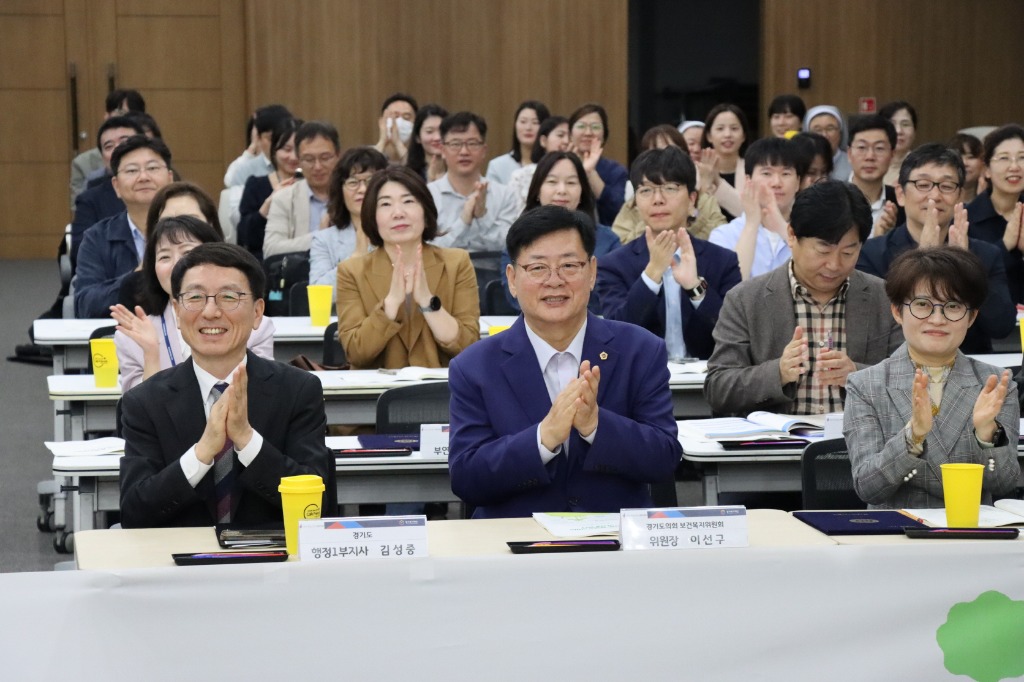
x=830 y=341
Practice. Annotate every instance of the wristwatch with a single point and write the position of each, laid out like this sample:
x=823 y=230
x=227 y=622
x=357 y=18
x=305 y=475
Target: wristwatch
x=699 y=290
x=432 y=307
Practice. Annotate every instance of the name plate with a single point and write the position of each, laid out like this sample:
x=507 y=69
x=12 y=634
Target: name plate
x=434 y=440
x=364 y=537
x=684 y=527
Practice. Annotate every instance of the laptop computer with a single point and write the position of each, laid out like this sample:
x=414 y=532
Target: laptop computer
x=864 y=522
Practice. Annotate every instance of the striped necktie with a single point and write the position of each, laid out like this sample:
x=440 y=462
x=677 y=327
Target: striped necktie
x=223 y=468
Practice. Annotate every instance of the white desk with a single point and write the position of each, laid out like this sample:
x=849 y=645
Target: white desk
x=292 y=336
x=676 y=614
x=360 y=480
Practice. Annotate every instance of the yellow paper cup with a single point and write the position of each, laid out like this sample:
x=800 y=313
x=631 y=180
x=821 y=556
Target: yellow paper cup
x=301 y=498
x=961 y=488
x=104 y=362
x=496 y=329
x=319 y=304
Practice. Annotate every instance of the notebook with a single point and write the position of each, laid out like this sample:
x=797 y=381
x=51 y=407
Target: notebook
x=866 y=522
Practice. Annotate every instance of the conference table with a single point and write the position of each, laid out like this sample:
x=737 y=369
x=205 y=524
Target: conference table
x=795 y=605
x=292 y=336
x=94 y=483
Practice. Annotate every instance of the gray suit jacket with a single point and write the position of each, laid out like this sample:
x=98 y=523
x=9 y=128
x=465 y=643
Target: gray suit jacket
x=878 y=408
x=757 y=321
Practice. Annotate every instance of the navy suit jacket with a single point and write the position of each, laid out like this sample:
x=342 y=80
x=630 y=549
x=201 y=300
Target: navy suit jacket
x=987 y=225
x=107 y=255
x=625 y=296
x=499 y=399
x=609 y=203
x=998 y=314
x=91 y=206
x=163 y=417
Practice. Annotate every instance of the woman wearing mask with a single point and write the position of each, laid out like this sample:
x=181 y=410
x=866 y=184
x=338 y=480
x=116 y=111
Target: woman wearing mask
x=529 y=116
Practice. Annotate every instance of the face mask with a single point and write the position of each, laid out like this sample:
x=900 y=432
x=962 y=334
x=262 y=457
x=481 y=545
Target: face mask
x=404 y=129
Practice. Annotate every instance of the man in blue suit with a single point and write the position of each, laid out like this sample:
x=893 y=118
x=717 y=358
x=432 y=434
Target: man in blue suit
x=113 y=247
x=564 y=411
x=666 y=281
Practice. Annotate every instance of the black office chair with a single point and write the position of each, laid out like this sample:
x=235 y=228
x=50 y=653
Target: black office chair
x=494 y=301
x=404 y=409
x=100 y=333
x=827 y=478
x=334 y=353
x=298 y=299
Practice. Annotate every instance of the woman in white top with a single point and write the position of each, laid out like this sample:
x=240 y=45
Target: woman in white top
x=148 y=340
x=529 y=117
x=344 y=238
x=725 y=138
x=553 y=136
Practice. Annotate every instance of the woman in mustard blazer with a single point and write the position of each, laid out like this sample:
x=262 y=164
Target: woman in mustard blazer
x=408 y=303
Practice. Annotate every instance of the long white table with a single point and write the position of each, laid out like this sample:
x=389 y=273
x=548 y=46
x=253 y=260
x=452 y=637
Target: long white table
x=798 y=609
x=292 y=336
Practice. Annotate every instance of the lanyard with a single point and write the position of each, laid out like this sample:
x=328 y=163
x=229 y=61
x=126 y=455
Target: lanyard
x=167 y=341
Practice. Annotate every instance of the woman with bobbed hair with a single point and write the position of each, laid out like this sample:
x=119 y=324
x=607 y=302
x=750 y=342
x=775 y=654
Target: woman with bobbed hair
x=928 y=404
x=408 y=303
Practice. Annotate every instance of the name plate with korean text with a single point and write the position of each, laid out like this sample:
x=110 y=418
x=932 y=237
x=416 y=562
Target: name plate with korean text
x=434 y=440
x=363 y=537
x=684 y=527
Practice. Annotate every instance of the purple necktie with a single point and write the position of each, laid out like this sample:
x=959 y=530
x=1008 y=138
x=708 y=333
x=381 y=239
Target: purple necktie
x=223 y=468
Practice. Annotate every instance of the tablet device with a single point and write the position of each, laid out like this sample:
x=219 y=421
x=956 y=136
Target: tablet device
x=866 y=522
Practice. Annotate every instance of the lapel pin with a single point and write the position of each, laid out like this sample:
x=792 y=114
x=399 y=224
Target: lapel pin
x=603 y=355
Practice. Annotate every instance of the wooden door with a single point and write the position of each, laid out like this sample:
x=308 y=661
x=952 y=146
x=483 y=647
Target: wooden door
x=185 y=56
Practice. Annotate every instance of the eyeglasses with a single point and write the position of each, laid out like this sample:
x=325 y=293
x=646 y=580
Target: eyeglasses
x=132 y=172
x=669 y=190
x=1006 y=160
x=225 y=300
x=925 y=186
x=922 y=309
x=457 y=145
x=323 y=159
x=863 y=148
x=352 y=184
x=567 y=272
x=592 y=127
x=825 y=130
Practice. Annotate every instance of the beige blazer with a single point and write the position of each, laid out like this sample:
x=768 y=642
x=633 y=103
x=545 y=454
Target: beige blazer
x=288 y=221
x=371 y=340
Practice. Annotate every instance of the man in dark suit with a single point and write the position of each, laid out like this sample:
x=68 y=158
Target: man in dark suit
x=666 y=281
x=100 y=200
x=564 y=411
x=930 y=186
x=787 y=340
x=209 y=440
x=113 y=247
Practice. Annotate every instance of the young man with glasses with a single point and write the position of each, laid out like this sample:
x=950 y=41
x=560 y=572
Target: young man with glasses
x=564 y=411
x=472 y=213
x=872 y=140
x=300 y=209
x=208 y=440
x=787 y=340
x=667 y=281
x=930 y=185
x=758 y=235
x=113 y=247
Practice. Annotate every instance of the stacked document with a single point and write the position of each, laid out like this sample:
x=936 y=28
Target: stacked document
x=1008 y=512
x=757 y=427
x=86 y=448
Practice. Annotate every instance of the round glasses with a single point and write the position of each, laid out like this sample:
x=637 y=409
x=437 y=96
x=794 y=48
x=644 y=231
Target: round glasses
x=922 y=309
x=541 y=272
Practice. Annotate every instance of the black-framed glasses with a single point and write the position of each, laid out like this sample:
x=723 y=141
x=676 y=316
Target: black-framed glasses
x=922 y=309
x=925 y=186
x=225 y=300
x=541 y=272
